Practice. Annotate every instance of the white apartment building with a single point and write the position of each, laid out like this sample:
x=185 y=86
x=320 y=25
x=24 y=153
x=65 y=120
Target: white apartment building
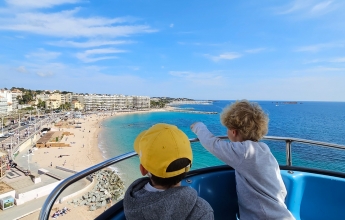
x=6 y=100
x=16 y=93
x=68 y=97
x=3 y=105
x=113 y=102
x=141 y=102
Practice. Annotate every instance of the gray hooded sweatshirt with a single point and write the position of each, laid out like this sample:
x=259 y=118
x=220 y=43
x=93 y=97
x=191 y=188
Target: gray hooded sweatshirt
x=260 y=188
x=180 y=202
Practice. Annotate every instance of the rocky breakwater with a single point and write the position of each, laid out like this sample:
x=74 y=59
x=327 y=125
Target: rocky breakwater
x=109 y=187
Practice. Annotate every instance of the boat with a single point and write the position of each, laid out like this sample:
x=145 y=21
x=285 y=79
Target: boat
x=312 y=193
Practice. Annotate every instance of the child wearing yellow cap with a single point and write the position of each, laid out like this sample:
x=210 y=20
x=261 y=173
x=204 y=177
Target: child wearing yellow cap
x=260 y=188
x=165 y=157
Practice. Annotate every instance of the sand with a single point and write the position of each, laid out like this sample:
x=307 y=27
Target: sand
x=82 y=153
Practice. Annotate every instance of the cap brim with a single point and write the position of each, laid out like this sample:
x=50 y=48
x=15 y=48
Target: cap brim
x=137 y=141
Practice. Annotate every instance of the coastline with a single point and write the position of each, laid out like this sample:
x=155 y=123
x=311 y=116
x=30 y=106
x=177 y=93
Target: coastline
x=84 y=151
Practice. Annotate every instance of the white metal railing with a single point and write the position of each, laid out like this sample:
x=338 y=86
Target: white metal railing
x=48 y=204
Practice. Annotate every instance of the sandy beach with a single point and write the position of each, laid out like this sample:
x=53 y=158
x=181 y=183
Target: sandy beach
x=82 y=153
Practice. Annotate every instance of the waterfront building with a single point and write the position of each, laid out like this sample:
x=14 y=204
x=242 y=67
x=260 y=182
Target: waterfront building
x=6 y=100
x=112 y=102
x=3 y=105
x=16 y=93
x=141 y=102
x=68 y=97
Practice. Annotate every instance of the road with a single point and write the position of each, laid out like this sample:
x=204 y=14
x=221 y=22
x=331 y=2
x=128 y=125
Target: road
x=23 y=132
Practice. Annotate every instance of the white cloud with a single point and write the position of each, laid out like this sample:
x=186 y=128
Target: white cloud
x=293 y=7
x=322 y=7
x=45 y=73
x=21 y=69
x=171 y=25
x=90 y=43
x=42 y=54
x=67 y=24
x=318 y=47
x=320 y=69
x=88 y=56
x=39 y=3
x=332 y=60
x=308 y=8
x=256 y=50
x=201 y=78
x=224 y=56
x=338 y=60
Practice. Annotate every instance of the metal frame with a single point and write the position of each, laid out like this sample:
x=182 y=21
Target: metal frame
x=48 y=204
x=288 y=141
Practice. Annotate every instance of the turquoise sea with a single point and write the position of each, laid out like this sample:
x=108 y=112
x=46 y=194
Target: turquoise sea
x=320 y=121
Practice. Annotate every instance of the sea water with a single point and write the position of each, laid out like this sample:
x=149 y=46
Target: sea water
x=320 y=121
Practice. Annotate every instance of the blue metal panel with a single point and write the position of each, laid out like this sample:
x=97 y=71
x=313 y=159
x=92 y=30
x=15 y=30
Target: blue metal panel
x=310 y=196
x=314 y=196
x=219 y=190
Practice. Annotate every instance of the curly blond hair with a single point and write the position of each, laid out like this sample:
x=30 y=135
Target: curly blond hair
x=247 y=118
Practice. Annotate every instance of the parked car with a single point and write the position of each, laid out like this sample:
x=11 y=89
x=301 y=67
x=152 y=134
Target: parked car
x=4 y=135
x=45 y=129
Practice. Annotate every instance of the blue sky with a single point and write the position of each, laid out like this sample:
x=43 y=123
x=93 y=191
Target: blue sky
x=219 y=49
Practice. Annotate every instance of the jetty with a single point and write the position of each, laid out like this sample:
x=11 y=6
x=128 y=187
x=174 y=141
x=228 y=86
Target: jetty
x=191 y=111
x=191 y=102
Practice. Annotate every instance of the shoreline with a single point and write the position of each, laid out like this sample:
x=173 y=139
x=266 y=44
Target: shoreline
x=83 y=153
x=84 y=150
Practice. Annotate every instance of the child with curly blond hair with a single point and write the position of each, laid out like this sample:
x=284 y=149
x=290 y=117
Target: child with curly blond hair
x=260 y=189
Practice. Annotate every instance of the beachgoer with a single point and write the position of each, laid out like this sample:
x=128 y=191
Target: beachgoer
x=166 y=167
x=260 y=188
x=51 y=164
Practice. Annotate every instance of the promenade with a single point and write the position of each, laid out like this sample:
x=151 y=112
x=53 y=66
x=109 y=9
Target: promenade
x=22 y=184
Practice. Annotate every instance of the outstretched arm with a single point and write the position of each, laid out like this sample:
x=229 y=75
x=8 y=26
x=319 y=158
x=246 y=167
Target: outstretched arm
x=231 y=153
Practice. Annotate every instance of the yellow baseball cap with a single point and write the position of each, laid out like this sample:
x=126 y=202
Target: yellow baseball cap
x=159 y=146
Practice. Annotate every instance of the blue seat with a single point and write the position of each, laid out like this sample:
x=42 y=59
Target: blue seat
x=310 y=195
x=218 y=189
x=314 y=196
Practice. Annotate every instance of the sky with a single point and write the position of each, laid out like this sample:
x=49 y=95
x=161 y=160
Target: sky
x=221 y=50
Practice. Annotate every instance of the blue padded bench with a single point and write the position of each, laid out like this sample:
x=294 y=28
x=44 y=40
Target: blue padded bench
x=310 y=196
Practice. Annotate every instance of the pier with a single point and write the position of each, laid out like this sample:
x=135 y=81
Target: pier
x=191 y=102
x=191 y=111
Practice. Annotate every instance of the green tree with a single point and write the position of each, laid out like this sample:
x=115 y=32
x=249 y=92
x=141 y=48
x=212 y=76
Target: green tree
x=41 y=104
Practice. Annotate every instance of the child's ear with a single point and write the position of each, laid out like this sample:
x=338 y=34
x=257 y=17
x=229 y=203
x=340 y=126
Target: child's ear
x=143 y=170
x=235 y=132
